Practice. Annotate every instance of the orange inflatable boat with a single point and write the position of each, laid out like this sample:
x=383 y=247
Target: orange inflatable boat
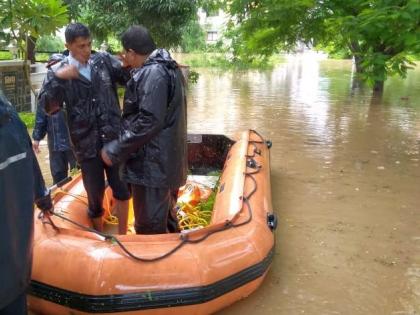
x=78 y=271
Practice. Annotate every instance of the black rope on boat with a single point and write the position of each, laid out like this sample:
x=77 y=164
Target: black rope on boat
x=255 y=152
x=268 y=143
x=259 y=135
x=173 y=250
x=113 y=238
x=183 y=237
x=46 y=219
x=245 y=199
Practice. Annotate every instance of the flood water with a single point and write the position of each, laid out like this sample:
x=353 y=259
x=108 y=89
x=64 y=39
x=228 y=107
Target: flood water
x=345 y=183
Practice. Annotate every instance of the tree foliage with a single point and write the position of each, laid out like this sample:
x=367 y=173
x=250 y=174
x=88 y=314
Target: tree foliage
x=193 y=37
x=164 y=19
x=49 y=43
x=31 y=18
x=378 y=33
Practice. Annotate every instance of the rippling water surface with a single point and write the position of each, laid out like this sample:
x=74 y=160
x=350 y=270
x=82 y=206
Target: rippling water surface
x=346 y=183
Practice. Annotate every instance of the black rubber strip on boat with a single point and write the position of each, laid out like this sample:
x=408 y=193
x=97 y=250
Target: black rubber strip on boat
x=152 y=299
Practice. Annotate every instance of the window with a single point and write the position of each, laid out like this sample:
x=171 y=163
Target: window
x=212 y=36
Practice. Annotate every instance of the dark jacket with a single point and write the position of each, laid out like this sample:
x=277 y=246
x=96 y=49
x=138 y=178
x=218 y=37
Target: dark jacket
x=55 y=127
x=21 y=184
x=153 y=143
x=93 y=111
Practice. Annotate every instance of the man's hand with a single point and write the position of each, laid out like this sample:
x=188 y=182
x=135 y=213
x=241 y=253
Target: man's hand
x=35 y=146
x=123 y=58
x=67 y=73
x=106 y=158
x=45 y=205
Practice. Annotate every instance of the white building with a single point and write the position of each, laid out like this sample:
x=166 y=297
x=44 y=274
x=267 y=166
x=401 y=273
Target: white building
x=213 y=23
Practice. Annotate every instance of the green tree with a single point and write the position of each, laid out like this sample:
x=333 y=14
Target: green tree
x=73 y=8
x=26 y=20
x=164 y=19
x=49 y=43
x=378 y=33
x=193 y=37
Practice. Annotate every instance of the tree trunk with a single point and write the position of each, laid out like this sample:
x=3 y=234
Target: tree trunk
x=378 y=87
x=355 y=51
x=358 y=64
x=356 y=82
x=30 y=48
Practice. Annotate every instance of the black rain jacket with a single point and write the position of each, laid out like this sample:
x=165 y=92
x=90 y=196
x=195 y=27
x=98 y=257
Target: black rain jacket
x=93 y=111
x=21 y=184
x=153 y=140
x=55 y=127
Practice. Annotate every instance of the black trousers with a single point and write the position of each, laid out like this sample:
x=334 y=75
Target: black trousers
x=93 y=174
x=152 y=209
x=60 y=163
x=17 y=307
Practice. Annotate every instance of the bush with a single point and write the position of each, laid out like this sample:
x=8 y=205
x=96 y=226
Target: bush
x=28 y=118
x=42 y=57
x=50 y=44
x=228 y=61
x=193 y=38
x=5 y=55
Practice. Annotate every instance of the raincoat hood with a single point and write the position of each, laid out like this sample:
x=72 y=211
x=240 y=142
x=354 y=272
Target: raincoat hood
x=162 y=56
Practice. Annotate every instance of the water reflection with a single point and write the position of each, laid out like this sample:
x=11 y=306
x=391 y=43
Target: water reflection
x=304 y=95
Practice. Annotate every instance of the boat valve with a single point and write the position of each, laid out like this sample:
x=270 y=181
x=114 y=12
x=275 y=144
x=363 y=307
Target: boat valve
x=252 y=163
x=272 y=221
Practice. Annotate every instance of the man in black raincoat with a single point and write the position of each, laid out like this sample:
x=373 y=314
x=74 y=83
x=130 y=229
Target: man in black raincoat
x=61 y=155
x=86 y=82
x=152 y=143
x=21 y=184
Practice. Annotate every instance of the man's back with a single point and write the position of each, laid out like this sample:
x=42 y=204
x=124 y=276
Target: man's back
x=154 y=124
x=20 y=183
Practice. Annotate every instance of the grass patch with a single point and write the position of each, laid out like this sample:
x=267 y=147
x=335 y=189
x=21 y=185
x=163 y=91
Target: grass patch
x=28 y=118
x=42 y=57
x=5 y=55
x=224 y=61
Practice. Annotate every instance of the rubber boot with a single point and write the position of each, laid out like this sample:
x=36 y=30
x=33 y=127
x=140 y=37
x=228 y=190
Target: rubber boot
x=98 y=224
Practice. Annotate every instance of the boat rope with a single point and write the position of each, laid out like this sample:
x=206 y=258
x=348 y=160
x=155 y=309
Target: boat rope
x=184 y=238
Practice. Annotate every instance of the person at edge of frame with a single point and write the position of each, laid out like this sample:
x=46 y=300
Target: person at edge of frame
x=21 y=184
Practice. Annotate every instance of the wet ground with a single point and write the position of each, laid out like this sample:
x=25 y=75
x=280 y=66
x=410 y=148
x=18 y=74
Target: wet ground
x=345 y=183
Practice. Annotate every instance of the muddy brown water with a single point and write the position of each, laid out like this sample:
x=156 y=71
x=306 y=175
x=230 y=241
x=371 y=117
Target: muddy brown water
x=345 y=183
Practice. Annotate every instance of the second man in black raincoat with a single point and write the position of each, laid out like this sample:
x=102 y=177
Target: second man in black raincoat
x=152 y=143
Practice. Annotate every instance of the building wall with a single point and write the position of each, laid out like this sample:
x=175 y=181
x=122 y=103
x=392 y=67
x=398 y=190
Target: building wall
x=214 y=25
x=14 y=84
